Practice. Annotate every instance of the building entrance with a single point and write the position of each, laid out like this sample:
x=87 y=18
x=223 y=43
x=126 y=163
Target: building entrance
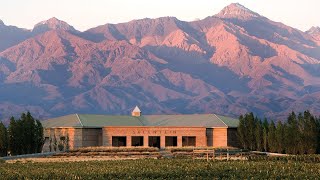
x=154 y=141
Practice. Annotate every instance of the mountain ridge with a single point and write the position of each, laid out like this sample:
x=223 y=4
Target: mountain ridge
x=230 y=63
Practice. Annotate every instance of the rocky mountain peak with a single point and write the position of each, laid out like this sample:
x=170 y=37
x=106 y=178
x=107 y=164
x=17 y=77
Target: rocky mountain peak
x=1 y=23
x=52 y=24
x=236 y=10
x=314 y=30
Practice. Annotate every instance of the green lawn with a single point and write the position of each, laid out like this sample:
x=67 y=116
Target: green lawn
x=162 y=169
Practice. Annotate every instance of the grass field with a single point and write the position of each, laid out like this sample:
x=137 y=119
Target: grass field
x=161 y=169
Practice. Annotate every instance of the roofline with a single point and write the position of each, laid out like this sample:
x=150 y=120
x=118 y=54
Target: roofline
x=64 y=127
x=154 y=126
x=79 y=120
x=98 y=127
x=139 y=116
x=221 y=120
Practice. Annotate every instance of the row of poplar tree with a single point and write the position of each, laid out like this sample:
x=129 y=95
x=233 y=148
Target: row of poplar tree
x=300 y=134
x=23 y=136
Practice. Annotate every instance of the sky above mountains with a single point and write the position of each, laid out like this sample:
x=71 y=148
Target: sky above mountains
x=83 y=14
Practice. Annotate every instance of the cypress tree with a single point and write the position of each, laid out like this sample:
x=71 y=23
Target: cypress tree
x=292 y=134
x=311 y=132
x=242 y=132
x=318 y=135
x=25 y=135
x=39 y=139
x=301 y=134
x=272 y=137
x=3 y=140
x=13 y=137
x=280 y=137
x=259 y=135
x=251 y=130
x=265 y=131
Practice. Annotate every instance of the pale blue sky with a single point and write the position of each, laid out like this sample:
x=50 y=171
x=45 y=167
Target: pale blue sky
x=83 y=14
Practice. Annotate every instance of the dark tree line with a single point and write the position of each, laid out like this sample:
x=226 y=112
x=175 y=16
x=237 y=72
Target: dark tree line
x=300 y=134
x=23 y=136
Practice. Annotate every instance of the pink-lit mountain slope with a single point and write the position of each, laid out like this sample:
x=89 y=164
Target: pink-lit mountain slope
x=230 y=63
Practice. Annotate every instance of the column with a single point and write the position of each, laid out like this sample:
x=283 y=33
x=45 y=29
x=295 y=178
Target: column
x=128 y=141
x=162 y=141
x=145 y=141
x=179 y=139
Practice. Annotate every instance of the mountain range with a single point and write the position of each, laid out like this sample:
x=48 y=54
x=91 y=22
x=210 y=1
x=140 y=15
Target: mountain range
x=234 y=62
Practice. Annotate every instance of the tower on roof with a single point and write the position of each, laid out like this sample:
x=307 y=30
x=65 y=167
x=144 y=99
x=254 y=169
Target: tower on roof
x=136 y=112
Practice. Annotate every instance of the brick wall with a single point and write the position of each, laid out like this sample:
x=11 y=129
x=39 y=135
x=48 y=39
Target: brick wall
x=91 y=137
x=216 y=137
x=199 y=132
x=77 y=137
x=220 y=137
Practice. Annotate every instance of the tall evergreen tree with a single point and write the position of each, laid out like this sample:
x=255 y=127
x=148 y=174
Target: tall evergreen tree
x=311 y=133
x=3 y=140
x=301 y=134
x=13 y=137
x=259 y=135
x=292 y=134
x=25 y=135
x=251 y=122
x=280 y=137
x=265 y=131
x=272 y=137
x=242 y=132
x=39 y=139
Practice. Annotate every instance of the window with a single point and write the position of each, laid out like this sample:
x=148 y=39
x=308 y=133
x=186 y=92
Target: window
x=154 y=141
x=188 y=141
x=137 y=141
x=118 y=141
x=171 y=141
x=62 y=138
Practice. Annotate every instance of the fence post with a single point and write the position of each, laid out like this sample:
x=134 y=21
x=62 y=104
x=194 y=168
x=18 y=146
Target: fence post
x=227 y=154
x=213 y=155
x=193 y=155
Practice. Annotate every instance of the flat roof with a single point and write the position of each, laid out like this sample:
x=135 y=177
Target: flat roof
x=183 y=120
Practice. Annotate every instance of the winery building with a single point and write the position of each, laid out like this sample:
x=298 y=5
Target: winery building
x=83 y=130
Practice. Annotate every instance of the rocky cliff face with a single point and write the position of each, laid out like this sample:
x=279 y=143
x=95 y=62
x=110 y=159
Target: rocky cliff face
x=230 y=63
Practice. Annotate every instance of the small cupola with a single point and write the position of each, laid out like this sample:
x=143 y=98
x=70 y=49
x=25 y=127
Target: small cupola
x=136 y=112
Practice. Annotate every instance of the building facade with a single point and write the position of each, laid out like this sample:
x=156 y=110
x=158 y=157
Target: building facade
x=83 y=130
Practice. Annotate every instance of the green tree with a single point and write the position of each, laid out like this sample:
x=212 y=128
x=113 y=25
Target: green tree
x=292 y=134
x=280 y=137
x=259 y=135
x=265 y=127
x=3 y=140
x=272 y=137
x=251 y=123
x=310 y=133
x=242 y=132
x=13 y=136
x=39 y=139
x=25 y=135
x=301 y=145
